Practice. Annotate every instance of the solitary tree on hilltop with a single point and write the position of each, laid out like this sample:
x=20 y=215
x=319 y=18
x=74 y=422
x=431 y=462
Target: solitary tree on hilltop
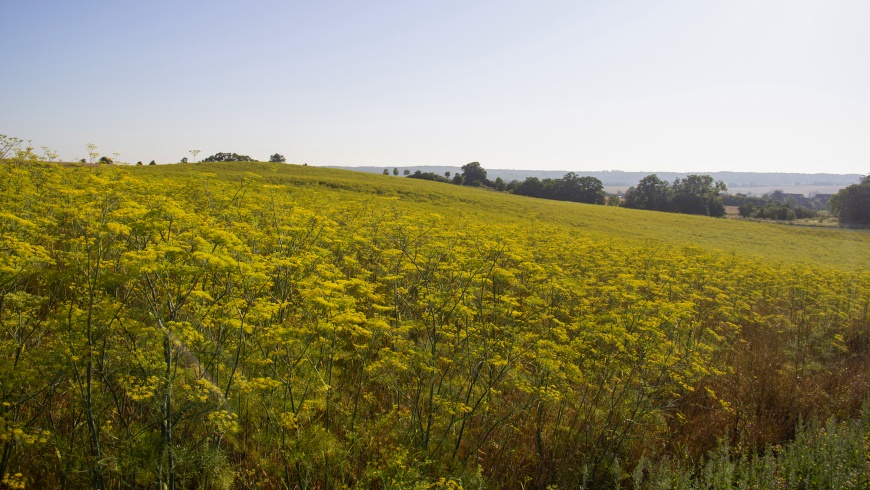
x=277 y=158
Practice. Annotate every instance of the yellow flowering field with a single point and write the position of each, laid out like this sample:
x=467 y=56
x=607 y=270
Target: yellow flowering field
x=255 y=325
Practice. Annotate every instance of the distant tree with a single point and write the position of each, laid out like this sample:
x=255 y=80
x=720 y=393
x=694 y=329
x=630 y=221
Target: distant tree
x=777 y=195
x=228 y=157
x=139 y=162
x=395 y=171
x=83 y=161
x=152 y=162
x=500 y=184
x=473 y=174
x=747 y=210
x=651 y=193
x=803 y=212
x=184 y=160
x=532 y=187
x=851 y=205
x=458 y=179
x=406 y=172
x=571 y=187
x=386 y=171
x=773 y=210
x=698 y=194
x=613 y=200
x=447 y=174
x=277 y=158
x=574 y=188
x=766 y=208
x=739 y=199
x=428 y=176
x=105 y=161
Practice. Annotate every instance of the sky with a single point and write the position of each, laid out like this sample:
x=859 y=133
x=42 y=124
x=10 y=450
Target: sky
x=682 y=85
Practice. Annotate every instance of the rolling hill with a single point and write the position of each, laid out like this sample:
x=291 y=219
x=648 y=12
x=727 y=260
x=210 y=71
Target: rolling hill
x=237 y=325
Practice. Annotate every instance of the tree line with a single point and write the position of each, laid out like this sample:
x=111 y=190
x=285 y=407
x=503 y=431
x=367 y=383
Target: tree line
x=777 y=205
x=695 y=194
x=571 y=187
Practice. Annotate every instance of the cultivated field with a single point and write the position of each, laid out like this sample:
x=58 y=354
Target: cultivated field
x=259 y=325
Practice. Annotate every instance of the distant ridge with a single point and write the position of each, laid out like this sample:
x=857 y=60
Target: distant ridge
x=619 y=178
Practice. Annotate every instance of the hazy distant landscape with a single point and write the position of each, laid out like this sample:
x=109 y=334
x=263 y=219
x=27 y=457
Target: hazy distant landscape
x=757 y=183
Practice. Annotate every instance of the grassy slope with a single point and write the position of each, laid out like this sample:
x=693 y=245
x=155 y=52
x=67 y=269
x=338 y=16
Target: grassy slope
x=827 y=248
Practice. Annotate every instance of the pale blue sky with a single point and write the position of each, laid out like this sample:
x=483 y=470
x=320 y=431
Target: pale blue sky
x=744 y=85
